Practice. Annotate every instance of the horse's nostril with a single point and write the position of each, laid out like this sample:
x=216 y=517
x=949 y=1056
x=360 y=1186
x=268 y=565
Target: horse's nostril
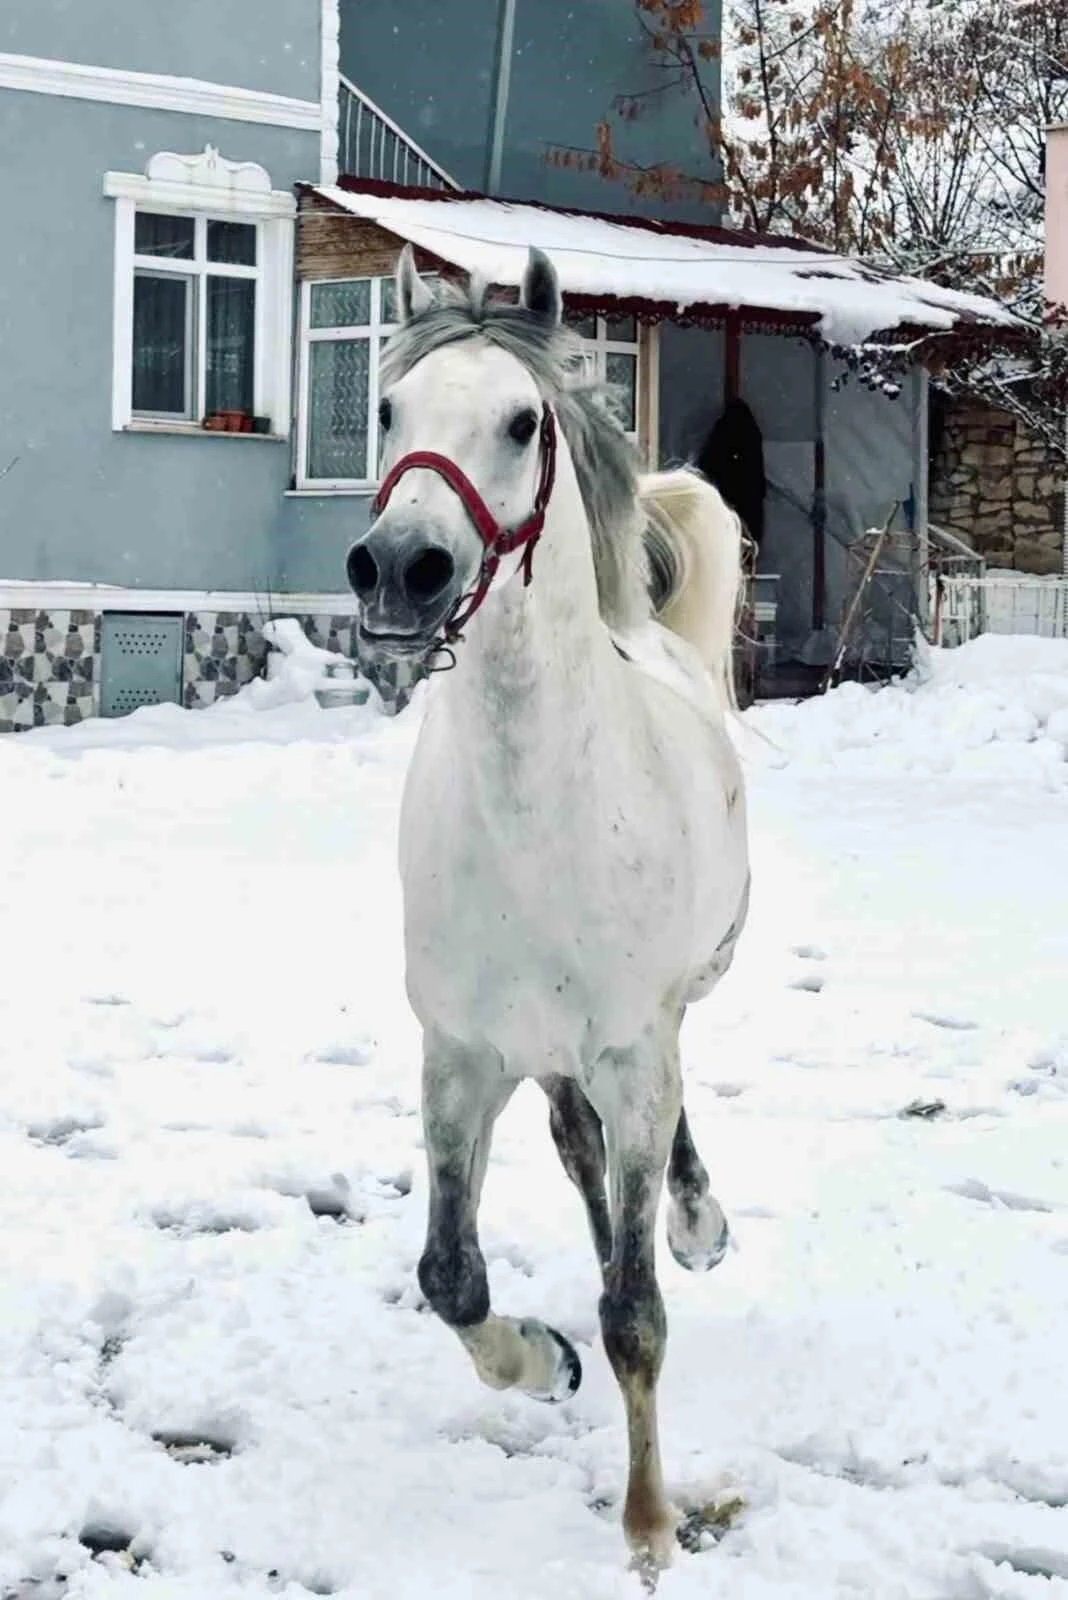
x=428 y=573
x=362 y=569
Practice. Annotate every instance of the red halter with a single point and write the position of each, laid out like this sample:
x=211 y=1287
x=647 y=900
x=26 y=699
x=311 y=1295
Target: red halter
x=498 y=541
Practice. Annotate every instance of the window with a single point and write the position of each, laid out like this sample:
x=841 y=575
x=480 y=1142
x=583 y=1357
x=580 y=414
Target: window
x=203 y=270
x=612 y=357
x=194 y=316
x=344 y=324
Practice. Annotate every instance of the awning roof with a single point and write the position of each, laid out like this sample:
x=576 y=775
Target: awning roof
x=672 y=270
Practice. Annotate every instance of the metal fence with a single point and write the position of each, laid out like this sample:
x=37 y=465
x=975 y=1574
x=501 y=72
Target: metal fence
x=965 y=606
x=371 y=145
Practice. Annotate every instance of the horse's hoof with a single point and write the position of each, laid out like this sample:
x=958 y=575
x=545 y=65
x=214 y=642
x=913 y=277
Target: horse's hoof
x=564 y=1369
x=650 y=1554
x=700 y=1243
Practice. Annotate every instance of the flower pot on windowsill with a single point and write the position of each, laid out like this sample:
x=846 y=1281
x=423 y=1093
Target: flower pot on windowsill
x=261 y=424
x=229 y=422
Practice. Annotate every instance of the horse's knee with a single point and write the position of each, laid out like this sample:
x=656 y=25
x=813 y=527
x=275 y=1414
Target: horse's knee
x=633 y=1326
x=453 y=1277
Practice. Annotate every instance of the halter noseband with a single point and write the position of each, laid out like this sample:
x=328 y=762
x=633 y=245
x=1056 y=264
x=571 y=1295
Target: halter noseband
x=497 y=541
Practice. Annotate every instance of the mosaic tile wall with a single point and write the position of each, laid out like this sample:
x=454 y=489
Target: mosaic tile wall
x=47 y=667
x=224 y=649
x=49 y=660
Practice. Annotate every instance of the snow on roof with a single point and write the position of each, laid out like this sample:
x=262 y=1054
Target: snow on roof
x=676 y=270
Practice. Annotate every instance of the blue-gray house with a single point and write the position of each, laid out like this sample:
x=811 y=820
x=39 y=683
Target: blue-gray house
x=202 y=212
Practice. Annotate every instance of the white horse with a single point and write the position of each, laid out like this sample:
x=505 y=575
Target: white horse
x=573 y=836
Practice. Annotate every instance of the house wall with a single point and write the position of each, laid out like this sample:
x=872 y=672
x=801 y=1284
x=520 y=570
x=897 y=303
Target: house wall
x=423 y=61
x=270 y=45
x=82 y=502
x=1057 y=216
x=691 y=389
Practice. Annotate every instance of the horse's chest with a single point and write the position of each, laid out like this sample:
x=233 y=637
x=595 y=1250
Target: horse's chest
x=544 y=951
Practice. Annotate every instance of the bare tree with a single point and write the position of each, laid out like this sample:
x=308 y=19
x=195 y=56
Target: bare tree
x=912 y=135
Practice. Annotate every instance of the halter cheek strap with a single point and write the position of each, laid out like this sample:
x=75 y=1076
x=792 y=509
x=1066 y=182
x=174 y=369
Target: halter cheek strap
x=496 y=541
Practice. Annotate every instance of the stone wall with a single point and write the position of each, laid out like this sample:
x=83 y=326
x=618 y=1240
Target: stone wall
x=997 y=487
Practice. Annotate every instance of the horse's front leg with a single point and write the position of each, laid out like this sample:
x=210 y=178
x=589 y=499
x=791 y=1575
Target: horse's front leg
x=638 y=1096
x=464 y=1092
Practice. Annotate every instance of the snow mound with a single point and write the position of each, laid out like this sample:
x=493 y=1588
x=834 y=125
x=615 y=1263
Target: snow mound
x=997 y=706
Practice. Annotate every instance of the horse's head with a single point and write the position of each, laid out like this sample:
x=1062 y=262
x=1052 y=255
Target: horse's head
x=469 y=450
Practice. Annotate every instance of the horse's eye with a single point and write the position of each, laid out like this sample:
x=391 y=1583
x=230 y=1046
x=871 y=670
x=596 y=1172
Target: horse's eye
x=385 y=415
x=522 y=426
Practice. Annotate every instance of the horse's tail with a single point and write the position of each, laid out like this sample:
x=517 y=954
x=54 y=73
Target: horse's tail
x=694 y=544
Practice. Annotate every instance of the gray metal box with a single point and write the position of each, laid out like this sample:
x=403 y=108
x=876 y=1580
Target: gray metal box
x=140 y=660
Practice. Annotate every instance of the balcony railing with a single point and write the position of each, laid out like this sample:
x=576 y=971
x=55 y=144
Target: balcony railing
x=371 y=145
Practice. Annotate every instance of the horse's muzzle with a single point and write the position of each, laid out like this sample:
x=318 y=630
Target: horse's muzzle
x=407 y=585
x=405 y=582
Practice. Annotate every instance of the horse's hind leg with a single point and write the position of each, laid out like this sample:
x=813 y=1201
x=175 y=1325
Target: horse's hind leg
x=464 y=1092
x=697 y=1230
x=579 y=1138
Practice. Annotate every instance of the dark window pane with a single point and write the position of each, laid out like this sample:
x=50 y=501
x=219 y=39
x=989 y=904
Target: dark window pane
x=622 y=372
x=158 y=235
x=233 y=243
x=388 y=309
x=341 y=305
x=231 y=335
x=623 y=330
x=162 y=340
x=587 y=326
x=337 y=428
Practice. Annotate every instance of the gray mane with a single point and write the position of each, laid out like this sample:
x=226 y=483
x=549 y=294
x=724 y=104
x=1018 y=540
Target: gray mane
x=606 y=463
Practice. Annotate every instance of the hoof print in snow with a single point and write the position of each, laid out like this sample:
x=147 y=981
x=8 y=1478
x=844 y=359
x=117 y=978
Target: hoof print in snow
x=999 y=1199
x=53 y=1588
x=811 y=983
x=400 y=1183
x=197 y=1447
x=59 y=1131
x=106 y=1000
x=809 y=952
x=112 y=1541
x=195 y=1220
x=331 y=1198
x=922 y=1110
x=1026 y=1563
x=334 y=1204
x=343 y=1055
x=939 y=1019
x=704 y=1526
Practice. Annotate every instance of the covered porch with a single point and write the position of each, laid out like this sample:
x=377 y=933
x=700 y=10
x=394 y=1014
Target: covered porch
x=763 y=360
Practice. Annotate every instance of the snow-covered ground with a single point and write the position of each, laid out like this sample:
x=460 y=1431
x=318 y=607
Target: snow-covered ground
x=212 y=1351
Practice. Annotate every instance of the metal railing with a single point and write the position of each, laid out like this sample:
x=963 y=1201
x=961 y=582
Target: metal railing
x=1000 y=603
x=371 y=145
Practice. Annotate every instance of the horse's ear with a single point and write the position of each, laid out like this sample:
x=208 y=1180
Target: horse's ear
x=540 y=293
x=413 y=296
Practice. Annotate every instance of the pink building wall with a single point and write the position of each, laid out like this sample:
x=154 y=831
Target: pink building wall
x=1057 y=216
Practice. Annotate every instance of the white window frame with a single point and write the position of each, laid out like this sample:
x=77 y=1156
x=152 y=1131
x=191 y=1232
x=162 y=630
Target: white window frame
x=645 y=349
x=207 y=188
x=197 y=269
x=374 y=331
